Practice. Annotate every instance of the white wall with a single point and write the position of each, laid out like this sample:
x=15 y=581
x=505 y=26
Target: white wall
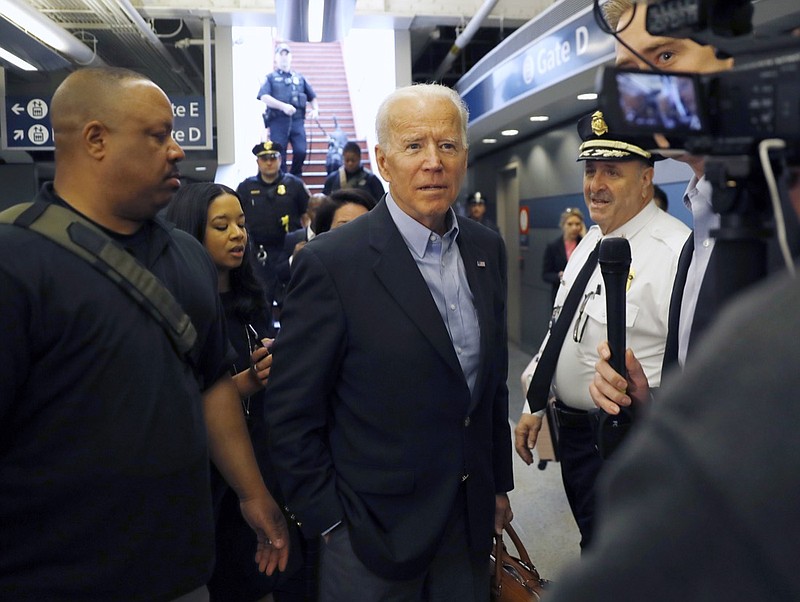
x=370 y=59
x=251 y=60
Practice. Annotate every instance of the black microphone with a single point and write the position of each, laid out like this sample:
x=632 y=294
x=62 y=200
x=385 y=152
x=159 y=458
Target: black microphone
x=615 y=263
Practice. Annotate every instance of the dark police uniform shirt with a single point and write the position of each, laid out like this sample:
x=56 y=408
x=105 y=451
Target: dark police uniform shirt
x=272 y=210
x=289 y=87
x=363 y=179
x=103 y=448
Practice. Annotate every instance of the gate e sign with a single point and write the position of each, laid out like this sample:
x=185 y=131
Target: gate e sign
x=26 y=123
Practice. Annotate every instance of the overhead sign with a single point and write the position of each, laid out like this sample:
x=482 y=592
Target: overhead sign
x=189 y=122
x=27 y=123
x=564 y=51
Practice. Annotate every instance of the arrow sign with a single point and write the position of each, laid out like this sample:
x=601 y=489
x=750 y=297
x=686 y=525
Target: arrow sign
x=25 y=123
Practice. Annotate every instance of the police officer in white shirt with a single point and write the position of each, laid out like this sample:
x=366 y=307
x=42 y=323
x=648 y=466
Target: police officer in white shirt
x=618 y=173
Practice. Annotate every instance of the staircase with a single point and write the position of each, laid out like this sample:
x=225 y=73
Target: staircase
x=322 y=64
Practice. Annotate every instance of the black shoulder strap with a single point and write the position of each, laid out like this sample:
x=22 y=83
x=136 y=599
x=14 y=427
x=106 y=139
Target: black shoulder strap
x=87 y=241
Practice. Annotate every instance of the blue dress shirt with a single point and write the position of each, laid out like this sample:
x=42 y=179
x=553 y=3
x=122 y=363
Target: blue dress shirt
x=439 y=261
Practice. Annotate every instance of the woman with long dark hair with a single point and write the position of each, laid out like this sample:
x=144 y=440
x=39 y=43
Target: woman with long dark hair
x=213 y=214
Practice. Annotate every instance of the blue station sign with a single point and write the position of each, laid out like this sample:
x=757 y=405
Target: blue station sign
x=562 y=52
x=27 y=123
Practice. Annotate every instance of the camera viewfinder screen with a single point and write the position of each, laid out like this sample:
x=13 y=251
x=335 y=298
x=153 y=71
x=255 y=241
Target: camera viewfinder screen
x=658 y=102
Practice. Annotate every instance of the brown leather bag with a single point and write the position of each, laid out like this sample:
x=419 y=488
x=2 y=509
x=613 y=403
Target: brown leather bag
x=514 y=579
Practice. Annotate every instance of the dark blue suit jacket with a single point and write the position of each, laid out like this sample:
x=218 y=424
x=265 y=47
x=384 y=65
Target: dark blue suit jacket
x=371 y=418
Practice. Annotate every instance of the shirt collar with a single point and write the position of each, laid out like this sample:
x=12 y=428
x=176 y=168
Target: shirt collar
x=154 y=231
x=697 y=189
x=415 y=234
x=630 y=228
x=275 y=182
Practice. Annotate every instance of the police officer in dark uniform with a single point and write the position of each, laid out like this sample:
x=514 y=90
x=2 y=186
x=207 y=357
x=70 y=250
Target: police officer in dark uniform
x=476 y=211
x=273 y=202
x=353 y=175
x=288 y=97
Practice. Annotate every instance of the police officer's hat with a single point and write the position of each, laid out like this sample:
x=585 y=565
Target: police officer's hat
x=476 y=199
x=601 y=144
x=267 y=148
x=282 y=48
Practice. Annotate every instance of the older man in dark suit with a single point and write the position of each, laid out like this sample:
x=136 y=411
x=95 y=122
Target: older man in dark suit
x=388 y=403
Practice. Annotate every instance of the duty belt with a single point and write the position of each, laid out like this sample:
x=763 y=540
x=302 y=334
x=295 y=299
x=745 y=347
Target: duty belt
x=570 y=417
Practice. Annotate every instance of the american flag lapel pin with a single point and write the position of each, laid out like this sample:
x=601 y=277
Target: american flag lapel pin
x=481 y=263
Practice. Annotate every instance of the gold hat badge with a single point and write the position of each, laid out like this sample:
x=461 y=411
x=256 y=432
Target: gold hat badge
x=599 y=126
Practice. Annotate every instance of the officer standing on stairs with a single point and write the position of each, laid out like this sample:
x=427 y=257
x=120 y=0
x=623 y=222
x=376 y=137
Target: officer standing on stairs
x=288 y=97
x=273 y=202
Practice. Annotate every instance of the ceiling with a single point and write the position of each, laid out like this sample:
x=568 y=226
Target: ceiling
x=162 y=38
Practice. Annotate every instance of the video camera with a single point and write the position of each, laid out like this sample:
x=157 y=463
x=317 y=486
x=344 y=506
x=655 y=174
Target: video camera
x=745 y=121
x=724 y=113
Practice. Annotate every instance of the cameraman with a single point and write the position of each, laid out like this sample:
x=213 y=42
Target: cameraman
x=693 y=302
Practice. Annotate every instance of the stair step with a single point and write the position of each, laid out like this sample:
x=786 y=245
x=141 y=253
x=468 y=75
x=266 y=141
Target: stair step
x=322 y=64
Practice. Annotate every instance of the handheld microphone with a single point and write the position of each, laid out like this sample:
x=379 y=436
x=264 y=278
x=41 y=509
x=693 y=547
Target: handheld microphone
x=615 y=263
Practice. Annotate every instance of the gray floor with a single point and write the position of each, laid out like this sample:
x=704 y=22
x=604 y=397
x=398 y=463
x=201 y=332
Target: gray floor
x=541 y=515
